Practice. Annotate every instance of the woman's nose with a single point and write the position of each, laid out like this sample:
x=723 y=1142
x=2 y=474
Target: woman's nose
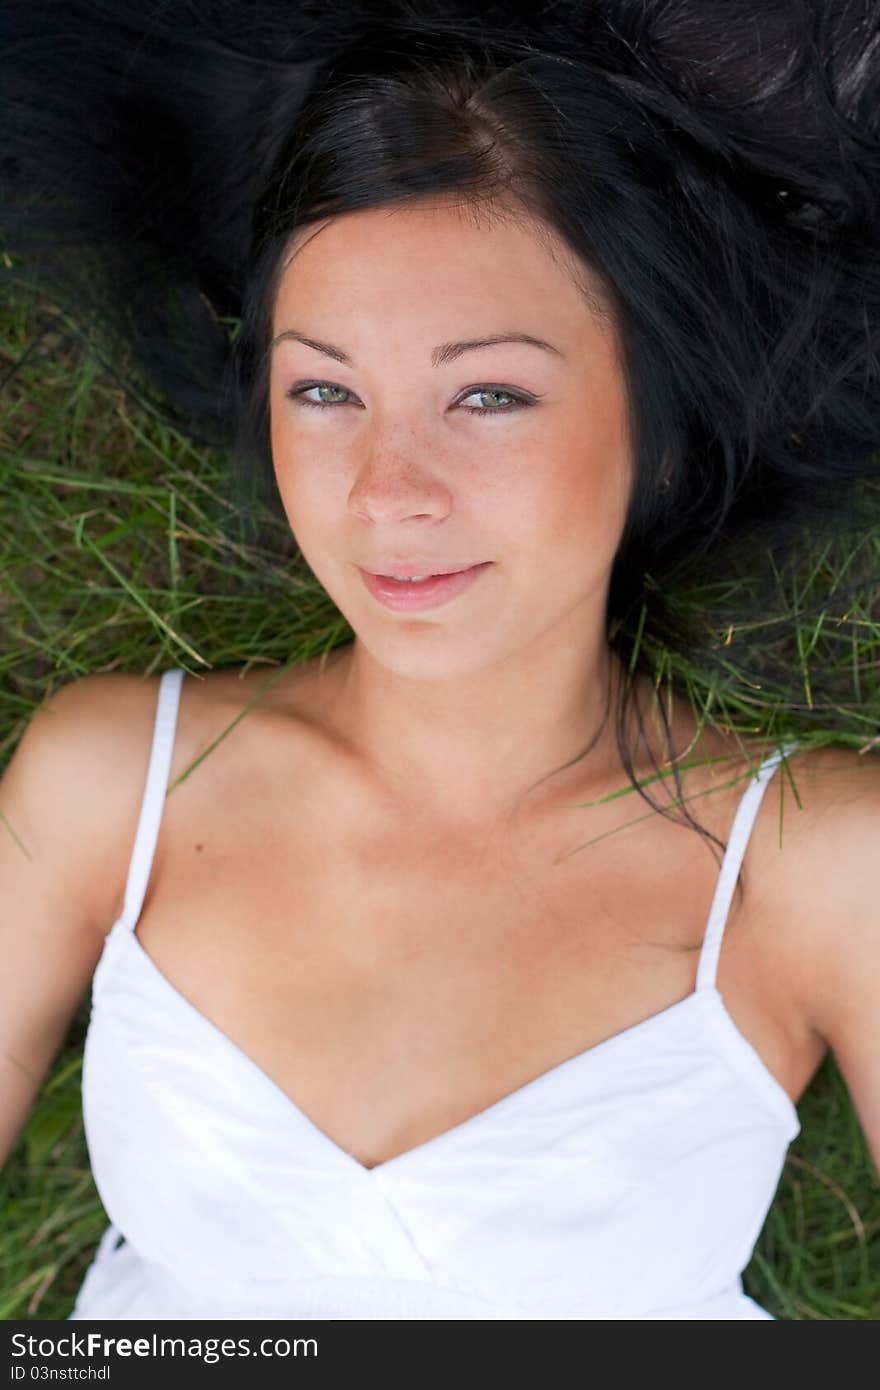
x=399 y=478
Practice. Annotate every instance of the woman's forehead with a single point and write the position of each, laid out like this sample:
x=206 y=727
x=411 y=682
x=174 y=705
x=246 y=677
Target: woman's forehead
x=436 y=253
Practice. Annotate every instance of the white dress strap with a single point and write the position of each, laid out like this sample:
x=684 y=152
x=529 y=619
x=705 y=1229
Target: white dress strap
x=740 y=831
x=153 y=804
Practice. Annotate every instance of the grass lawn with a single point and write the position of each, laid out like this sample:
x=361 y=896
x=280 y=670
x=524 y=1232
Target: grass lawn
x=122 y=550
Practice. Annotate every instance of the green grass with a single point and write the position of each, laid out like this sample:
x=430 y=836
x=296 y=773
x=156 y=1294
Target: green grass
x=121 y=550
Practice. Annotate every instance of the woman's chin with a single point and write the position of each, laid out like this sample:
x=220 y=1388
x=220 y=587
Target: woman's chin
x=421 y=649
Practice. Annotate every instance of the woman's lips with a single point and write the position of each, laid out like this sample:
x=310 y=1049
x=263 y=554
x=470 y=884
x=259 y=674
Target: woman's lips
x=406 y=597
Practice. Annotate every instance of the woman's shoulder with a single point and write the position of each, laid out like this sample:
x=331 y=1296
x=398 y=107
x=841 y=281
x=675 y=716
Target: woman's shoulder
x=828 y=798
x=85 y=755
x=91 y=725
x=818 y=829
x=812 y=860
x=827 y=803
x=71 y=796
x=73 y=778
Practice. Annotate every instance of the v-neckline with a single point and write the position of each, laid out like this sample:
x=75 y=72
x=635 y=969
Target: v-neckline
x=696 y=997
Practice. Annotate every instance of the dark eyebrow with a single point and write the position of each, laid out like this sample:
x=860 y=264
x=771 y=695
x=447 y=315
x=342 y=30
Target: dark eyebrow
x=446 y=352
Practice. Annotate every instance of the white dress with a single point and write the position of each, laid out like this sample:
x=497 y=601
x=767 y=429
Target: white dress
x=630 y=1181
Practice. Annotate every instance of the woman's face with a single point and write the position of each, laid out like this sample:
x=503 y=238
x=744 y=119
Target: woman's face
x=511 y=453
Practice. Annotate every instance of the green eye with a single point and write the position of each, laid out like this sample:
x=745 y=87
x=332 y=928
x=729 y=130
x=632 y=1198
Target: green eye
x=516 y=400
x=297 y=392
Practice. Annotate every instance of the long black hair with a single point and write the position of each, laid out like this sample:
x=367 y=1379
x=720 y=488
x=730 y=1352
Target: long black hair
x=715 y=164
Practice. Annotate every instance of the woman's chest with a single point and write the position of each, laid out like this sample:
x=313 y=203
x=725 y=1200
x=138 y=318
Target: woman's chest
x=393 y=980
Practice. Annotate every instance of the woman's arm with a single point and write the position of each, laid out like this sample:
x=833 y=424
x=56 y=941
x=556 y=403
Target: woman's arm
x=835 y=886
x=61 y=798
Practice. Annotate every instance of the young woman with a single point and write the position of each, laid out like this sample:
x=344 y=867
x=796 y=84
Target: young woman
x=396 y=1011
